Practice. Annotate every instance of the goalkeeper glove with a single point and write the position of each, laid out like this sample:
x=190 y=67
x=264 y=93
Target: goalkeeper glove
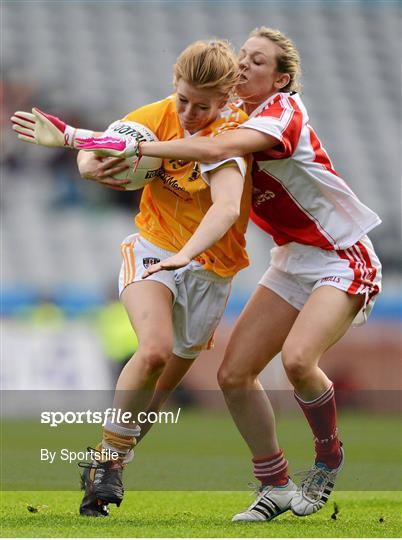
x=109 y=146
x=46 y=130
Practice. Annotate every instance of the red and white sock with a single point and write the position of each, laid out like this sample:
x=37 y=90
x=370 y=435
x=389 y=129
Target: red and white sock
x=321 y=415
x=271 y=470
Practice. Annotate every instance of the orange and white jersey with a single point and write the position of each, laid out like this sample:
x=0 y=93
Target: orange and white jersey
x=297 y=194
x=175 y=202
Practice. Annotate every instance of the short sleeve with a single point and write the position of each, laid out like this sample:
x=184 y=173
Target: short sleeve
x=283 y=120
x=207 y=168
x=231 y=119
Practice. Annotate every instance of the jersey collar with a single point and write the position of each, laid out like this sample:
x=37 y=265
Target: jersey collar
x=261 y=107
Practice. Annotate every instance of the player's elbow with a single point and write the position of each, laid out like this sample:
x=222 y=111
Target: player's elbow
x=227 y=152
x=213 y=153
x=232 y=211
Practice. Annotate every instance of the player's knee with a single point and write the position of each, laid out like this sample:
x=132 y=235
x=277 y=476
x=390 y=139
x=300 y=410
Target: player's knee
x=154 y=357
x=231 y=379
x=296 y=363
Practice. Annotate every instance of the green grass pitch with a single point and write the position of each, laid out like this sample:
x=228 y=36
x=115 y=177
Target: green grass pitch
x=199 y=470
x=196 y=514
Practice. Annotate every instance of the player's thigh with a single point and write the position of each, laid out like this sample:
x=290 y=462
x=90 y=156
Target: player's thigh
x=149 y=305
x=324 y=319
x=259 y=332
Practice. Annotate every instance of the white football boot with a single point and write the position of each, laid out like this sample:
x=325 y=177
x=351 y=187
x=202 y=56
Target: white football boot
x=271 y=501
x=315 y=488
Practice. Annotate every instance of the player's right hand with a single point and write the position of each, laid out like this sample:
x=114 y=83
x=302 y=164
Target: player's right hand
x=179 y=260
x=102 y=170
x=46 y=130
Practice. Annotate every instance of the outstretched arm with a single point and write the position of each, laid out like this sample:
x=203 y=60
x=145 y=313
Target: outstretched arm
x=226 y=192
x=236 y=142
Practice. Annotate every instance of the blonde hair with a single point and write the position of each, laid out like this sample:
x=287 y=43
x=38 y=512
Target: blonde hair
x=288 y=60
x=208 y=64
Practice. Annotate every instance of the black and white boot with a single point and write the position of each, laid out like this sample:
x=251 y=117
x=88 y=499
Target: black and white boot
x=271 y=501
x=315 y=488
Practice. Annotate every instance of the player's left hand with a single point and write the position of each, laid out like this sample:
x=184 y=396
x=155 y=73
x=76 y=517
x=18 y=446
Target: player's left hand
x=172 y=263
x=109 y=146
x=45 y=129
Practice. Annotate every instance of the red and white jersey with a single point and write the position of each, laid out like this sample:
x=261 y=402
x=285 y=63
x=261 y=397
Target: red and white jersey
x=297 y=194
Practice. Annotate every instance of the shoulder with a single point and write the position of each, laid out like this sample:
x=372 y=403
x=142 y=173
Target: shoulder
x=282 y=103
x=233 y=113
x=229 y=118
x=156 y=116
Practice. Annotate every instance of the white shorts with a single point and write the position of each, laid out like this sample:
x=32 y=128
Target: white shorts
x=199 y=296
x=297 y=269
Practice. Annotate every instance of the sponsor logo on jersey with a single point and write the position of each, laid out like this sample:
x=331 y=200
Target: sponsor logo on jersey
x=149 y=261
x=152 y=174
x=260 y=197
x=169 y=180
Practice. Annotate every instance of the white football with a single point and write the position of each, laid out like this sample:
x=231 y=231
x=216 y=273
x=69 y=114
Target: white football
x=147 y=167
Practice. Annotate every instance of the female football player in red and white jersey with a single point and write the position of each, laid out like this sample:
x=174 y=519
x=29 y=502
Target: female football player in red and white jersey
x=323 y=276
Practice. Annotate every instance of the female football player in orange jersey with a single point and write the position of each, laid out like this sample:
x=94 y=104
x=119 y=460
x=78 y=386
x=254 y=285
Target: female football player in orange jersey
x=324 y=273
x=174 y=314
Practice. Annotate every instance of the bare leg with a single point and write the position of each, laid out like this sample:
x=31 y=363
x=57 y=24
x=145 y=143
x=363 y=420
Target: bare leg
x=257 y=337
x=324 y=319
x=326 y=316
x=174 y=371
x=149 y=306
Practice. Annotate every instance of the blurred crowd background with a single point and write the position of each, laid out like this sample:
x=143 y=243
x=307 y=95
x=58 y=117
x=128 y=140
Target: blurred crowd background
x=92 y=62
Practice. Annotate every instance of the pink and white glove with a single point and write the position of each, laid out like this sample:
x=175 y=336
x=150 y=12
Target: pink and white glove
x=46 y=130
x=110 y=146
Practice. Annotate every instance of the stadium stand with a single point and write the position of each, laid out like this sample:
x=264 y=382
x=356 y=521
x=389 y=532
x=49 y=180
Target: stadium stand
x=98 y=60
